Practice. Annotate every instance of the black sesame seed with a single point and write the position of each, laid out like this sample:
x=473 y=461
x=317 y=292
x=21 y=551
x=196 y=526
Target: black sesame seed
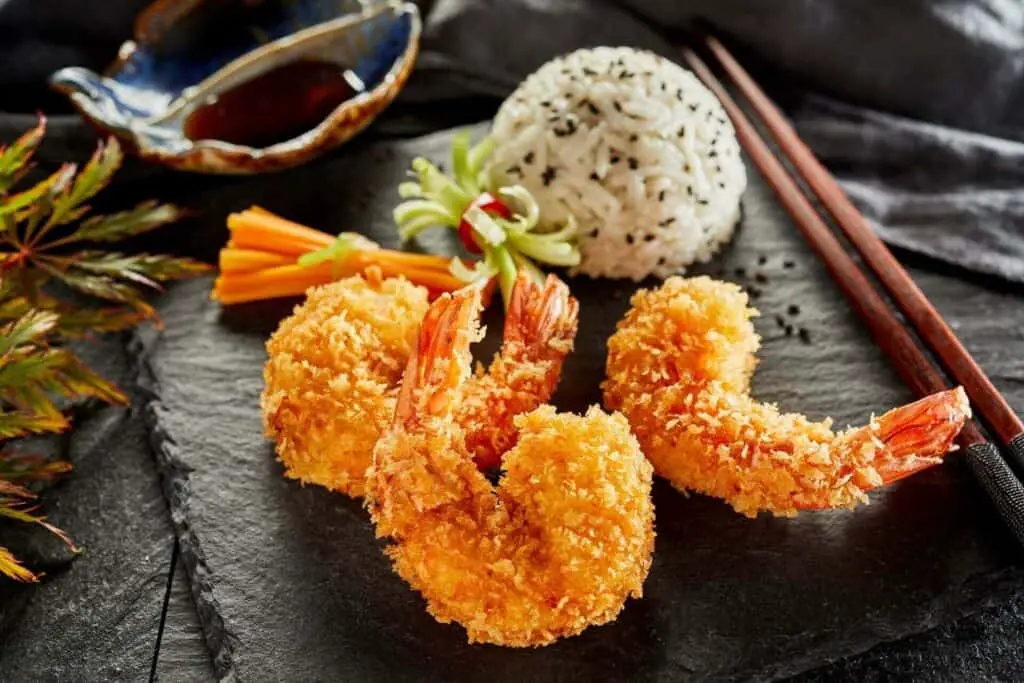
x=805 y=335
x=630 y=239
x=618 y=107
x=528 y=159
x=788 y=264
x=761 y=277
x=661 y=196
x=593 y=108
x=614 y=159
x=689 y=188
x=661 y=261
x=679 y=94
x=514 y=170
x=793 y=309
x=595 y=232
x=649 y=238
x=633 y=163
x=682 y=131
x=761 y=260
x=587 y=71
x=663 y=87
x=548 y=175
x=789 y=330
x=754 y=292
x=545 y=103
x=741 y=272
x=721 y=185
x=634 y=137
x=694 y=107
x=554 y=118
x=668 y=221
x=703 y=202
x=712 y=154
x=780 y=321
x=594 y=176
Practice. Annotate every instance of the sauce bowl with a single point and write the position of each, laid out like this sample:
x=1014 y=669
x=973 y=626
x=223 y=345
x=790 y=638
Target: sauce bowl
x=186 y=54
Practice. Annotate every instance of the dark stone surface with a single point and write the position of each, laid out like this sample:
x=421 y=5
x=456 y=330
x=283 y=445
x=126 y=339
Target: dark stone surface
x=289 y=583
x=183 y=655
x=97 y=617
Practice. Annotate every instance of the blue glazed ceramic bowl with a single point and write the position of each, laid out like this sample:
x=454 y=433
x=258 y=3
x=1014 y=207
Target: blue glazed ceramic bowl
x=187 y=52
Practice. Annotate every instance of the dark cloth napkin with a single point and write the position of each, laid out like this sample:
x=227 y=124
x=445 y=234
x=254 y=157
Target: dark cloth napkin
x=917 y=106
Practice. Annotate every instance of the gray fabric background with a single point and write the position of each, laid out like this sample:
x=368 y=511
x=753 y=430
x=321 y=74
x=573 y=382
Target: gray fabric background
x=950 y=189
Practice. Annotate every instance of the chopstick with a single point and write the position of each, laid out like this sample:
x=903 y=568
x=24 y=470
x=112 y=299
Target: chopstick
x=910 y=299
x=909 y=360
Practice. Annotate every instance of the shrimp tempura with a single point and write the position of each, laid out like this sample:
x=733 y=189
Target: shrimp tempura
x=679 y=368
x=557 y=546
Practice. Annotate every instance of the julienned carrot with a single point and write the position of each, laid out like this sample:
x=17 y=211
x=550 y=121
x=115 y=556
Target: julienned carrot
x=234 y=260
x=260 y=260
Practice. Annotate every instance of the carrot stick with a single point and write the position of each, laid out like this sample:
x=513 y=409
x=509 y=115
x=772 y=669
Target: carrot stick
x=233 y=260
x=272 y=233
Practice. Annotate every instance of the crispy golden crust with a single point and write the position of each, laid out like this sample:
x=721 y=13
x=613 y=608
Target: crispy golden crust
x=557 y=546
x=679 y=368
x=332 y=377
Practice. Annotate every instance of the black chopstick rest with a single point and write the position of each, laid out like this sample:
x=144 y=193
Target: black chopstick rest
x=1000 y=483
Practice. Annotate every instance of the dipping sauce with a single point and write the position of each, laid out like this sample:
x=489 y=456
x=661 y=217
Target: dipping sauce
x=276 y=106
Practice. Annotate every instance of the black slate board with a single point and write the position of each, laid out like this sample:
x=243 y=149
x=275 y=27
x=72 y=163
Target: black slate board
x=289 y=583
x=96 y=617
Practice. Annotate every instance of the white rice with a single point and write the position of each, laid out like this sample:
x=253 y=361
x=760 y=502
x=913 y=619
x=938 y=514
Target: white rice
x=635 y=148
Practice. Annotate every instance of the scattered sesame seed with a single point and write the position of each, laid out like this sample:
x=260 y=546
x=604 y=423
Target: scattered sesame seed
x=754 y=292
x=788 y=264
x=661 y=260
x=761 y=260
x=721 y=185
x=595 y=232
x=634 y=137
x=630 y=239
x=761 y=277
x=694 y=107
x=618 y=107
x=805 y=335
x=614 y=159
x=649 y=238
x=528 y=159
x=594 y=176
x=661 y=196
x=682 y=131
x=548 y=175
x=587 y=71
x=679 y=94
x=789 y=330
x=514 y=170
x=780 y=321
x=593 y=108
x=793 y=309
x=741 y=272
x=633 y=163
x=545 y=103
x=668 y=221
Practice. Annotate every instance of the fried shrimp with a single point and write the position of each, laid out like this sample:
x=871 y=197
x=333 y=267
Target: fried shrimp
x=332 y=377
x=557 y=546
x=334 y=366
x=679 y=368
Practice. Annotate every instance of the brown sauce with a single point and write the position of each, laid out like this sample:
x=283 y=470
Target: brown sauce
x=276 y=106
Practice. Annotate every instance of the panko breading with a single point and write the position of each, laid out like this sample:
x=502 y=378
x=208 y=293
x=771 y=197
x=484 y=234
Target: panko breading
x=334 y=365
x=679 y=368
x=557 y=546
x=332 y=377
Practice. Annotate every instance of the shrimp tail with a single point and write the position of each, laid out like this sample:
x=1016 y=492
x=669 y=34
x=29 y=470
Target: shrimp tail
x=904 y=441
x=541 y=318
x=920 y=434
x=440 y=362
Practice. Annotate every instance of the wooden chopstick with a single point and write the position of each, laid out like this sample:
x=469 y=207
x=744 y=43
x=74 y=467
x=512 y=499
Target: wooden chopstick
x=910 y=362
x=911 y=300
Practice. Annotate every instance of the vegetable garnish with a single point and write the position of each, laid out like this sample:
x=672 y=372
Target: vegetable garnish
x=268 y=256
x=499 y=223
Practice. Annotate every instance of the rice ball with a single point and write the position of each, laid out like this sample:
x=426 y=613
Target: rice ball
x=635 y=148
